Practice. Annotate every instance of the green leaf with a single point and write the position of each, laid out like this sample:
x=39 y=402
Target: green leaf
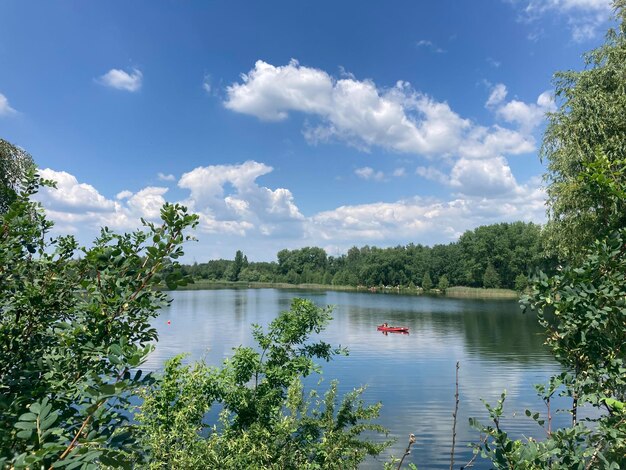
x=27 y=425
x=28 y=417
x=107 y=389
x=25 y=434
x=49 y=421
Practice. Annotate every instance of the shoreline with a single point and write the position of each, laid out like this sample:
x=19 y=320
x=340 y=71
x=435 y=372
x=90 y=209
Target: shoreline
x=451 y=292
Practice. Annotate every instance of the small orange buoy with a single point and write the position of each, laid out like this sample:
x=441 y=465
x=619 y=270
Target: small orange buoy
x=169 y=322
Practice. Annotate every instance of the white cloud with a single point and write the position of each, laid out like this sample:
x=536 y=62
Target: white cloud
x=526 y=116
x=206 y=84
x=72 y=196
x=249 y=208
x=164 y=177
x=425 y=43
x=490 y=177
x=399 y=172
x=483 y=142
x=368 y=173
x=497 y=95
x=426 y=220
x=269 y=92
x=124 y=194
x=433 y=174
x=399 y=119
x=5 y=108
x=77 y=206
x=207 y=183
x=148 y=202
x=584 y=17
x=122 y=80
x=235 y=209
x=470 y=177
x=493 y=62
x=566 y=6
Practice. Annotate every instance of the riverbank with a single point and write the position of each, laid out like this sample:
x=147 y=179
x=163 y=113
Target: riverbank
x=456 y=292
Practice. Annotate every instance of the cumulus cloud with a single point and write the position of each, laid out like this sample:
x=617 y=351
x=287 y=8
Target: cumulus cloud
x=5 y=108
x=227 y=198
x=483 y=142
x=269 y=92
x=526 y=116
x=164 y=177
x=497 y=95
x=359 y=113
x=72 y=196
x=427 y=220
x=486 y=177
x=470 y=177
x=124 y=194
x=122 y=80
x=433 y=174
x=233 y=206
x=584 y=17
x=147 y=202
x=249 y=207
x=368 y=173
x=77 y=206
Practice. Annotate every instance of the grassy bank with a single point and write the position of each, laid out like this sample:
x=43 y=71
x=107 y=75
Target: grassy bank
x=481 y=293
x=457 y=292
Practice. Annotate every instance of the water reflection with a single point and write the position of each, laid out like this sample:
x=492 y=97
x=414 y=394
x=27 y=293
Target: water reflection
x=413 y=375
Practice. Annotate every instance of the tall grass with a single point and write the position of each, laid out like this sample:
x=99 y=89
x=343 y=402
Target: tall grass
x=458 y=291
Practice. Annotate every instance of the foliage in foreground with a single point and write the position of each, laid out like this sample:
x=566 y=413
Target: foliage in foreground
x=73 y=331
x=267 y=421
x=583 y=306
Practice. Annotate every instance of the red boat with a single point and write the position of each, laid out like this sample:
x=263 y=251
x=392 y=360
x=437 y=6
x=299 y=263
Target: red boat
x=393 y=329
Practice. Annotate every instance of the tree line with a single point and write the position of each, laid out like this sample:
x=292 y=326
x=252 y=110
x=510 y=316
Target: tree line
x=498 y=255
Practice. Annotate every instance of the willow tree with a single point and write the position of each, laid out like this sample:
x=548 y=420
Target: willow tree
x=588 y=129
x=14 y=163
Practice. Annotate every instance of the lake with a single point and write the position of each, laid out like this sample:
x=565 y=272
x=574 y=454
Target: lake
x=413 y=375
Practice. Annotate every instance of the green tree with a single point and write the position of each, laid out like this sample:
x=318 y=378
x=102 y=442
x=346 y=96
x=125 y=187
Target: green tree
x=427 y=283
x=491 y=279
x=249 y=275
x=521 y=283
x=587 y=127
x=237 y=266
x=14 y=165
x=443 y=284
x=75 y=326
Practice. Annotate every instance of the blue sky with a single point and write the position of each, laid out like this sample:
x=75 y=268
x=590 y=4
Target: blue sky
x=289 y=124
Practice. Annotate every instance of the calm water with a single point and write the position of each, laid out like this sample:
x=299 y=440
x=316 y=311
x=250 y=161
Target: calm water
x=413 y=375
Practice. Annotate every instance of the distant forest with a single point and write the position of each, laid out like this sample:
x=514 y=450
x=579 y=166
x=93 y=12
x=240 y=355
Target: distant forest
x=498 y=255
